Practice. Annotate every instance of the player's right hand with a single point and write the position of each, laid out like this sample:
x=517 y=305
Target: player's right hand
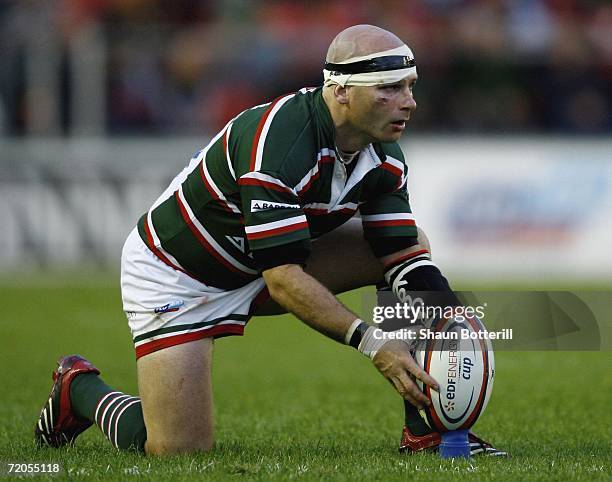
x=394 y=362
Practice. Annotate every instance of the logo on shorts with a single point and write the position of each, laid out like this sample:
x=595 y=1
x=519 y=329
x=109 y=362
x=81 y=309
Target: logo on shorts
x=174 y=305
x=257 y=205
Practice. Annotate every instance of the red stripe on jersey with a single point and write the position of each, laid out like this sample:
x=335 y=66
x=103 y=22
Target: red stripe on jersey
x=202 y=240
x=249 y=181
x=225 y=144
x=309 y=183
x=158 y=253
x=323 y=160
x=260 y=126
x=399 y=184
x=392 y=169
x=390 y=222
x=275 y=231
x=216 y=331
x=211 y=190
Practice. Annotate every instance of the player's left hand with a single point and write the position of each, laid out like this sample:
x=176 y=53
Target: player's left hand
x=394 y=362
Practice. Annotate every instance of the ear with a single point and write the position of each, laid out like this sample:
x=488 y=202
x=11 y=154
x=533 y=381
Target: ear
x=341 y=94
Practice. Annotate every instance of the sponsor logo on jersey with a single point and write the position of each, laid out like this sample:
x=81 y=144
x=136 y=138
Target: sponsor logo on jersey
x=174 y=305
x=257 y=205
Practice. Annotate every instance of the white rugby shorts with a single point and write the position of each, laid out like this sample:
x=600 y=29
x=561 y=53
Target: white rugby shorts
x=165 y=307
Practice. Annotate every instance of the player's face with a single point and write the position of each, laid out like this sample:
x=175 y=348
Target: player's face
x=380 y=112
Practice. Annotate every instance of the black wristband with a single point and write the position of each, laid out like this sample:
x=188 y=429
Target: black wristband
x=424 y=278
x=358 y=334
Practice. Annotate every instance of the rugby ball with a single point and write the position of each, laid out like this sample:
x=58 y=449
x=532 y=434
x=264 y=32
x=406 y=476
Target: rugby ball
x=458 y=354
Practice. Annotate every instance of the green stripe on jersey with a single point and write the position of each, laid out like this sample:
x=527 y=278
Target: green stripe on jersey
x=167 y=220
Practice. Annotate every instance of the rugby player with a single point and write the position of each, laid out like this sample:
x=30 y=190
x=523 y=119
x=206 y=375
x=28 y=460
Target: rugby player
x=262 y=221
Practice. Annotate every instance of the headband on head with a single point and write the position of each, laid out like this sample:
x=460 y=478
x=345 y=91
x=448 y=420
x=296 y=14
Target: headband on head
x=386 y=67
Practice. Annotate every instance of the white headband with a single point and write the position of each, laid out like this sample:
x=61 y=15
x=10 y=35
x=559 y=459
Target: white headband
x=371 y=78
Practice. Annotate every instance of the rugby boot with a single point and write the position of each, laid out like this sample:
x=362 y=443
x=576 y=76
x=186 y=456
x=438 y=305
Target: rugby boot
x=411 y=443
x=479 y=446
x=57 y=424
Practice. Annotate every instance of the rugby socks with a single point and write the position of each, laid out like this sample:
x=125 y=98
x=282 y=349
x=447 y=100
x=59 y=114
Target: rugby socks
x=118 y=415
x=414 y=421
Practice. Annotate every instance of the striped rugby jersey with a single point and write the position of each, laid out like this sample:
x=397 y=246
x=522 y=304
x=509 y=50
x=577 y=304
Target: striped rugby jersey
x=269 y=178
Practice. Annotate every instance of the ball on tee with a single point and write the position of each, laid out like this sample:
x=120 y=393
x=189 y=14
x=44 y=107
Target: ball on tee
x=463 y=365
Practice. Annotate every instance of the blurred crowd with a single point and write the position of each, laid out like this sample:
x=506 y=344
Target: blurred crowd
x=184 y=67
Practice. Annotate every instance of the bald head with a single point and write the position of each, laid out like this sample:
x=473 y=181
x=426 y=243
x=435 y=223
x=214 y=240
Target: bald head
x=360 y=40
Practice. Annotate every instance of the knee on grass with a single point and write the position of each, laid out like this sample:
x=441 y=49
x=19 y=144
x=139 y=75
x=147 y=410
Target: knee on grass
x=174 y=446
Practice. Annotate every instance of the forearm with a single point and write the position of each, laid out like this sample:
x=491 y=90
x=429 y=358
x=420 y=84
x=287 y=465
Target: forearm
x=315 y=305
x=302 y=295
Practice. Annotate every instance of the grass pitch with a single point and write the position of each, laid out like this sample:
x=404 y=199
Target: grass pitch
x=291 y=404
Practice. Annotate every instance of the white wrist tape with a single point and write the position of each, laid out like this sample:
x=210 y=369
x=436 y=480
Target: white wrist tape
x=374 y=339
x=351 y=330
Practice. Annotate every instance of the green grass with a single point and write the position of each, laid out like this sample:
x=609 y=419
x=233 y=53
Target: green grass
x=292 y=404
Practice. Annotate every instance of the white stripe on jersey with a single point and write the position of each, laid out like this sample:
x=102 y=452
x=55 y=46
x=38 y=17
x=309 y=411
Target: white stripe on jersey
x=211 y=240
x=257 y=106
x=227 y=155
x=395 y=162
x=266 y=127
x=309 y=175
x=260 y=176
x=400 y=165
x=229 y=204
x=387 y=217
x=258 y=228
